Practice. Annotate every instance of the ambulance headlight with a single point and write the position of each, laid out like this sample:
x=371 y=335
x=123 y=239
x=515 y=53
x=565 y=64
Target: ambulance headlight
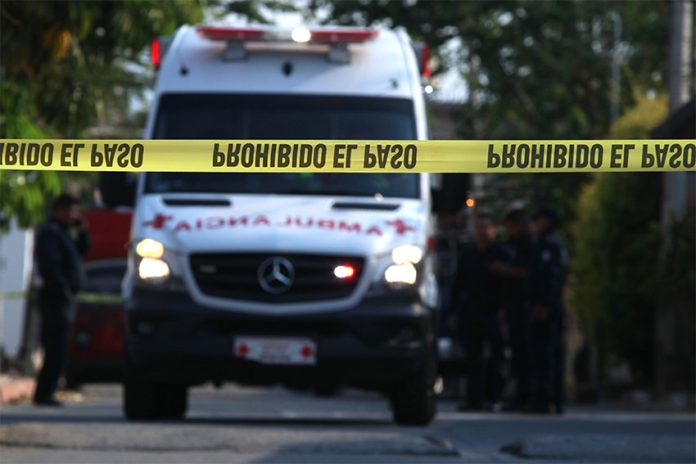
x=400 y=270
x=153 y=269
x=403 y=271
x=401 y=274
x=407 y=254
x=149 y=248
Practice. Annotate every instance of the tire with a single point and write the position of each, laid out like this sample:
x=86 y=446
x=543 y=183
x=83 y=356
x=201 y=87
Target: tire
x=413 y=403
x=144 y=399
x=326 y=390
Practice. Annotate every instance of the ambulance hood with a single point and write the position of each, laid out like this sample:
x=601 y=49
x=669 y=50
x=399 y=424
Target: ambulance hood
x=351 y=226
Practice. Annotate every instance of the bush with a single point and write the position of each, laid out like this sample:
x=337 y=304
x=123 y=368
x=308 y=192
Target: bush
x=617 y=243
x=616 y=266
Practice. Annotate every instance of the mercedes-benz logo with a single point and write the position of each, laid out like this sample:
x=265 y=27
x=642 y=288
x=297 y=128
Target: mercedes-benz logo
x=276 y=275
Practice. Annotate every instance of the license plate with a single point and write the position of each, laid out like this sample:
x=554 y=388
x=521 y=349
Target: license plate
x=276 y=350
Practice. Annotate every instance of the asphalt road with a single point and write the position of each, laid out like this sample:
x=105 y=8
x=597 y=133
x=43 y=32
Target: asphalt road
x=268 y=426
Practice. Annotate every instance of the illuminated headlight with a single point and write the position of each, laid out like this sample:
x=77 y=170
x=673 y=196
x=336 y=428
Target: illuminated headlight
x=153 y=269
x=405 y=273
x=149 y=248
x=407 y=254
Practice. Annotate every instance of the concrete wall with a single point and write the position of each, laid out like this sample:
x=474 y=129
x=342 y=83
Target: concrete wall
x=16 y=248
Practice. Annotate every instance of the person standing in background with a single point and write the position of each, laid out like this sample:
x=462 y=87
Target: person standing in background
x=478 y=290
x=60 y=243
x=517 y=274
x=548 y=314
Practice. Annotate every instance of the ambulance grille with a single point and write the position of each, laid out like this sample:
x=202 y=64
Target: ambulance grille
x=235 y=276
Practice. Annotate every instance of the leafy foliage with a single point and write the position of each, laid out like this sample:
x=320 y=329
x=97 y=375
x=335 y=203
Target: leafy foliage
x=617 y=243
x=637 y=121
x=616 y=257
x=257 y=11
x=71 y=56
x=22 y=193
x=534 y=69
x=63 y=67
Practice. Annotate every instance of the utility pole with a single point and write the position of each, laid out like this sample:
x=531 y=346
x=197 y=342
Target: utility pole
x=680 y=82
x=680 y=57
x=674 y=186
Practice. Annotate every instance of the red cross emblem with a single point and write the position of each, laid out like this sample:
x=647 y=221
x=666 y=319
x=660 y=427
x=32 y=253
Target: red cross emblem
x=400 y=226
x=158 y=221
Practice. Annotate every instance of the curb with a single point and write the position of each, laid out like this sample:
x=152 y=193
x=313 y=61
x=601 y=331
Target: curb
x=16 y=390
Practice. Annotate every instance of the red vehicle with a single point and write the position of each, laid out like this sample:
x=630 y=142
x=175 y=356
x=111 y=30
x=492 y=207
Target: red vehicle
x=95 y=352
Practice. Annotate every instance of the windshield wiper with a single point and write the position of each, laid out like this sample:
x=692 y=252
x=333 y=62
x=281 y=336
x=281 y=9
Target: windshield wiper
x=344 y=193
x=369 y=206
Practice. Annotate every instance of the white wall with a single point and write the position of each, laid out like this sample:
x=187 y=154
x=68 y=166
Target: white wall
x=16 y=250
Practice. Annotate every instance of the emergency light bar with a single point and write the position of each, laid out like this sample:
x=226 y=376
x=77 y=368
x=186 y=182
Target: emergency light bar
x=227 y=34
x=337 y=38
x=321 y=35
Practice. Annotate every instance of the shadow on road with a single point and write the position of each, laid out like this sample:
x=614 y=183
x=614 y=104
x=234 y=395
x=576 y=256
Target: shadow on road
x=56 y=418
x=68 y=418
x=287 y=421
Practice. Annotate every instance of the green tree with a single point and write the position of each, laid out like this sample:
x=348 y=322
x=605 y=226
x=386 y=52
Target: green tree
x=63 y=66
x=535 y=70
x=22 y=194
x=615 y=264
x=75 y=58
x=255 y=11
x=615 y=287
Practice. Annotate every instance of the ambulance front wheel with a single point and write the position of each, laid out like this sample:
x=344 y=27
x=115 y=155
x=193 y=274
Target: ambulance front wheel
x=413 y=403
x=144 y=399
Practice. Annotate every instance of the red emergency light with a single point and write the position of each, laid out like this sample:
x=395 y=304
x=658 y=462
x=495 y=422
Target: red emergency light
x=357 y=35
x=155 y=55
x=236 y=34
x=344 y=271
x=299 y=35
x=425 y=62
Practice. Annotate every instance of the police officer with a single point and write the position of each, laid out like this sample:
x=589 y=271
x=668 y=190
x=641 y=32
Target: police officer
x=517 y=273
x=548 y=314
x=478 y=304
x=60 y=243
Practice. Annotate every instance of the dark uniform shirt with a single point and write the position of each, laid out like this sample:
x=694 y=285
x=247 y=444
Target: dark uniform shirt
x=58 y=258
x=549 y=271
x=522 y=255
x=477 y=288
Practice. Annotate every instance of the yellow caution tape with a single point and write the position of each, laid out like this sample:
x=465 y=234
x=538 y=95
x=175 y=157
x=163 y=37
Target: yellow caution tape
x=103 y=298
x=438 y=156
x=12 y=295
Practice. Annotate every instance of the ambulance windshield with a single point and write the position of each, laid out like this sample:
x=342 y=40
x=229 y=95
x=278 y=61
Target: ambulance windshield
x=282 y=117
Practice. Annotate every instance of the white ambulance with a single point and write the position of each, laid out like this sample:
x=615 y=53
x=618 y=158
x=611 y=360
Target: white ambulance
x=302 y=279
